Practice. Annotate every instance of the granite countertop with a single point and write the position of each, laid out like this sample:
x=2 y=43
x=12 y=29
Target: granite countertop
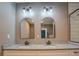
x=33 y=46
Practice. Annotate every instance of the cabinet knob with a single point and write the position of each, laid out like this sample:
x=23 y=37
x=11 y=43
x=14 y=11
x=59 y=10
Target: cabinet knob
x=75 y=52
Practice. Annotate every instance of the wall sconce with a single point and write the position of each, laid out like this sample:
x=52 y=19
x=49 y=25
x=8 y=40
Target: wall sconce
x=28 y=9
x=28 y=12
x=45 y=9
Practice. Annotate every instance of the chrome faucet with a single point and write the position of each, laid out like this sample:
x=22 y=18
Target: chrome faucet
x=26 y=43
x=48 y=42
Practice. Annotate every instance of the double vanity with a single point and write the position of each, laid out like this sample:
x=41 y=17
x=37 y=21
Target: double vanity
x=66 y=49
x=41 y=30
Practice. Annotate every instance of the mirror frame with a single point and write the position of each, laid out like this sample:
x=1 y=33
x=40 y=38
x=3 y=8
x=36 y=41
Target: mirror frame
x=20 y=27
x=54 y=27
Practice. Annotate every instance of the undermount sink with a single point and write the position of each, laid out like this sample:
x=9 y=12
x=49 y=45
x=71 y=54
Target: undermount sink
x=42 y=46
x=46 y=46
x=37 y=46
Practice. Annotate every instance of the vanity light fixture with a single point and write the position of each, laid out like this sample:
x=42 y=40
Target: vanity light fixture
x=29 y=9
x=24 y=10
x=45 y=9
x=50 y=9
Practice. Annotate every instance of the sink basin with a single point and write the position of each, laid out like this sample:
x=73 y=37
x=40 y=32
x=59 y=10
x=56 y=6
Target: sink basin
x=37 y=46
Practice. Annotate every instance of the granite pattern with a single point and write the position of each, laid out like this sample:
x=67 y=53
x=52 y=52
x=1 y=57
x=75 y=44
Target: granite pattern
x=53 y=46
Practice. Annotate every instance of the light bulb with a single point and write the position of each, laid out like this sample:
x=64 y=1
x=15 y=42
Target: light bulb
x=44 y=9
x=24 y=10
x=30 y=10
x=50 y=9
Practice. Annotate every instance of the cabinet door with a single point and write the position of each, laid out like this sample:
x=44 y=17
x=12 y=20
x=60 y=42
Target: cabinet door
x=20 y=53
x=41 y=53
x=36 y=53
x=54 y=53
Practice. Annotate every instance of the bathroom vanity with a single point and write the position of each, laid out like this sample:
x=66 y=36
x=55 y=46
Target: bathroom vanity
x=34 y=25
x=48 y=23
x=69 y=49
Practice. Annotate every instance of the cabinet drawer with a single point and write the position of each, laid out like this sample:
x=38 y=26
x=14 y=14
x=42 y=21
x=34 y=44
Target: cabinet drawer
x=74 y=52
x=54 y=53
x=20 y=53
x=36 y=53
x=41 y=52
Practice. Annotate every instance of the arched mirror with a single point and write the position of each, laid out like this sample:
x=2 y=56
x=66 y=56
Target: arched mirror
x=47 y=28
x=27 y=29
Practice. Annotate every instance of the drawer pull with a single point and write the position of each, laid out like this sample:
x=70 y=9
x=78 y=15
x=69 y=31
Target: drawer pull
x=75 y=52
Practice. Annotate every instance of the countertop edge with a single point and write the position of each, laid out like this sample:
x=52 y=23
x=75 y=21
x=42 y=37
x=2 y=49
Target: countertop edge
x=45 y=49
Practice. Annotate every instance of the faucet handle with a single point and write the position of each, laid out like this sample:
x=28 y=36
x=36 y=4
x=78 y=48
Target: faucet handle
x=26 y=43
x=48 y=42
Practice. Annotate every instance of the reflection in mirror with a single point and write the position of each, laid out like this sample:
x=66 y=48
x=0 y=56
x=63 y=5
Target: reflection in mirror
x=27 y=29
x=47 y=28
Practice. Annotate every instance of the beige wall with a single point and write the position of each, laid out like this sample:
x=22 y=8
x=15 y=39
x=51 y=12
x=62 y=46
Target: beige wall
x=7 y=23
x=72 y=6
x=59 y=15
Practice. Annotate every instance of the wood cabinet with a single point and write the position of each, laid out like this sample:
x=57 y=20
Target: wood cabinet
x=74 y=52
x=58 y=52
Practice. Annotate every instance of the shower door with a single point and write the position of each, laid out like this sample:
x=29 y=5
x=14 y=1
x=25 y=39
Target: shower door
x=74 y=26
